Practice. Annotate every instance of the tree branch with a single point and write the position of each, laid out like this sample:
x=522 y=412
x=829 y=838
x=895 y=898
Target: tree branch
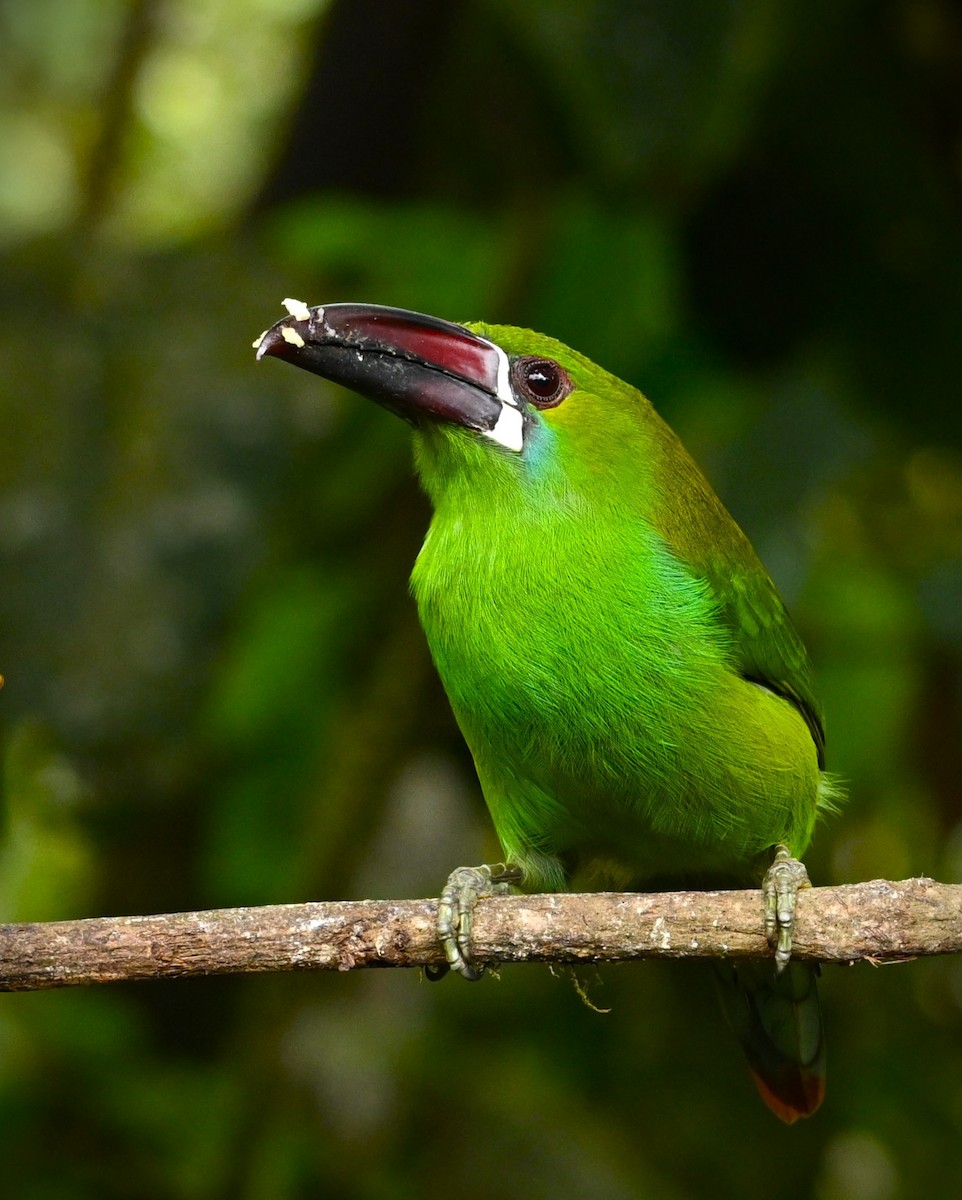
x=877 y=922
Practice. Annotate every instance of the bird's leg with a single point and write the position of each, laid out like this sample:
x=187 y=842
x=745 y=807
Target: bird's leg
x=781 y=885
x=464 y=888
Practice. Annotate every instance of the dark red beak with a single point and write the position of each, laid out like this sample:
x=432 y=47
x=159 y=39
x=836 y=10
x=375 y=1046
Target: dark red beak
x=415 y=365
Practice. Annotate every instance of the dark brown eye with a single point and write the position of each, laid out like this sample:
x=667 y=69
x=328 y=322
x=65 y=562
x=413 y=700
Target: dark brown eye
x=541 y=380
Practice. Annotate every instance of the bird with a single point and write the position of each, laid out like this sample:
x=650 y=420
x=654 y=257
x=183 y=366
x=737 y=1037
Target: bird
x=634 y=694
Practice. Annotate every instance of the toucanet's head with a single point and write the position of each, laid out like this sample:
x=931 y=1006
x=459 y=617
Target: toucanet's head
x=479 y=395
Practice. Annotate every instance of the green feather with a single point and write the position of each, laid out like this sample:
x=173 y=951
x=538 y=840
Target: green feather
x=635 y=695
x=637 y=701
x=602 y=626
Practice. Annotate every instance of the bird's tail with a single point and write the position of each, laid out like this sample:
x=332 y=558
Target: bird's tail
x=778 y=1023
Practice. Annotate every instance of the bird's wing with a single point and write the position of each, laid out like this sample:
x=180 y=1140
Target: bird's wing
x=705 y=537
x=766 y=643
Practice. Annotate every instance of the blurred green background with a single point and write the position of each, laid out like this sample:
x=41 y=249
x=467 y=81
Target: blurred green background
x=216 y=689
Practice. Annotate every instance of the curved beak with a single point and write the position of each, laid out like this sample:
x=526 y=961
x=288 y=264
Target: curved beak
x=417 y=366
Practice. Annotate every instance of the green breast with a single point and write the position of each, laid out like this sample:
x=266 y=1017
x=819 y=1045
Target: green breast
x=595 y=685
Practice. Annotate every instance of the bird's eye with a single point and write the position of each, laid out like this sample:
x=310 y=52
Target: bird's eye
x=541 y=380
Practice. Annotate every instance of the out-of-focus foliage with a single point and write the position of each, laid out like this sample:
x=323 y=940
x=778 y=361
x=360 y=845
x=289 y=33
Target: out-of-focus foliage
x=216 y=690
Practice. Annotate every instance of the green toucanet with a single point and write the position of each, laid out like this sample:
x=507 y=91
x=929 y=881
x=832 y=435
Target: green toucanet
x=635 y=696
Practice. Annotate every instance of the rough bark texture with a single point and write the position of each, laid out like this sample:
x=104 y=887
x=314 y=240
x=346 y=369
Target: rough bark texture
x=877 y=922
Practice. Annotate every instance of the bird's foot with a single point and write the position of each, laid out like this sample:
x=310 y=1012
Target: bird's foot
x=783 y=880
x=464 y=888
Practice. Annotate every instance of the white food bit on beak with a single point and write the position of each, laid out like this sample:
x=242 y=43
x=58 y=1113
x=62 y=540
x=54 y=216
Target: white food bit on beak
x=509 y=429
x=256 y=343
x=291 y=336
x=297 y=309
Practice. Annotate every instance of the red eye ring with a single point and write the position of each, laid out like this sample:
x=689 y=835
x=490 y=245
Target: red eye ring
x=541 y=381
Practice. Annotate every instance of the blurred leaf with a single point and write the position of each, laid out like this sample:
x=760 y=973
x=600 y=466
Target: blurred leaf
x=46 y=865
